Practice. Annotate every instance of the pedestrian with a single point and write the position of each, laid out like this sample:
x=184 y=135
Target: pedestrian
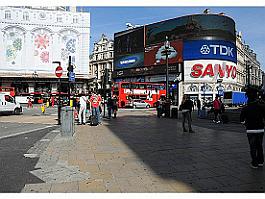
x=42 y=107
x=159 y=108
x=186 y=109
x=29 y=103
x=198 y=103
x=95 y=101
x=109 y=106
x=52 y=101
x=217 y=109
x=82 y=109
x=115 y=106
x=252 y=116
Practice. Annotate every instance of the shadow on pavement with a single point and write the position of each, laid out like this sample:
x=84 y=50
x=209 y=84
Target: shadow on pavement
x=210 y=160
x=14 y=167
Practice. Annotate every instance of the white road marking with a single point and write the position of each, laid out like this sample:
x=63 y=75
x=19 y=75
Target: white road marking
x=25 y=132
x=30 y=155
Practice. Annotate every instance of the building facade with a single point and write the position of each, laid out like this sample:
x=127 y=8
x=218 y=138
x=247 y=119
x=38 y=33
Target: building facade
x=213 y=56
x=100 y=60
x=31 y=39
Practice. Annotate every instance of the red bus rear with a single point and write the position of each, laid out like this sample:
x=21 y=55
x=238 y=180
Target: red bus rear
x=128 y=91
x=8 y=90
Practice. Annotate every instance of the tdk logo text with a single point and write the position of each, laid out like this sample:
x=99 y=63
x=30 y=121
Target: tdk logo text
x=217 y=50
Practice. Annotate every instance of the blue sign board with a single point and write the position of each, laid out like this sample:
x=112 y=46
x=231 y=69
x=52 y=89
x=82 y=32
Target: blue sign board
x=71 y=76
x=221 y=92
x=210 y=49
x=129 y=61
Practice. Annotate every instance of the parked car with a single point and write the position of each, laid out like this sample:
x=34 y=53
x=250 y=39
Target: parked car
x=140 y=104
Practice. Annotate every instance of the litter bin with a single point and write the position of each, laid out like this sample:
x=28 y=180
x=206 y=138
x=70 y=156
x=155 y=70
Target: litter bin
x=203 y=113
x=174 y=113
x=167 y=109
x=67 y=121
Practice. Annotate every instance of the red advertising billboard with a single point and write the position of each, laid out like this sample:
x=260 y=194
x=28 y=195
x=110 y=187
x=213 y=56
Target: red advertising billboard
x=154 y=55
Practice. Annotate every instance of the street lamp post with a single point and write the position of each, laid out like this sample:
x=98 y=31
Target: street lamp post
x=248 y=67
x=167 y=52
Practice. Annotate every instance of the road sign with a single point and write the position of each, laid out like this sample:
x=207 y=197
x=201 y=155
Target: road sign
x=59 y=71
x=220 y=92
x=71 y=76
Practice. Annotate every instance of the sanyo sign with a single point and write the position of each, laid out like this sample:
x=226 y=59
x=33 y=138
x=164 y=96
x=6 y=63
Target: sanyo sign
x=210 y=49
x=210 y=70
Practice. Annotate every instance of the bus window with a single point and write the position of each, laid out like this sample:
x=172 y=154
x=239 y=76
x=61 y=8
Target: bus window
x=125 y=85
x=142 y=86
x=135 y=86
x=149 y=86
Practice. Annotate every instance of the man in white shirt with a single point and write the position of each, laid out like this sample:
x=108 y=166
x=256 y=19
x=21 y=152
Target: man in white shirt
x=82 y=110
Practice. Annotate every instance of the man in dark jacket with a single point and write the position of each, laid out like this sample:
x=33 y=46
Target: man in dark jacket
x=252 y=116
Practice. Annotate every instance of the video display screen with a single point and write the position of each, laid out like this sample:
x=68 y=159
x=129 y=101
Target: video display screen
x=129 y=61
x=129 y=42
x=155 y=54
x=192 y=27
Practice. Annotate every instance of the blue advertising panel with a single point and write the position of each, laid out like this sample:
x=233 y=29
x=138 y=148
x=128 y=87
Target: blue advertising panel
x=129 y=61
x=210 y=49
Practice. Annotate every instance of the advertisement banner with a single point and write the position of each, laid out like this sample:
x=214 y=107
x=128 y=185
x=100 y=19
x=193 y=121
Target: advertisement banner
x=160 y=78
x=191 y=27
x=155 y=55
x=129 y=42
x=147 y=70
x=129 y=61
x=210 y=49
x=210 y=70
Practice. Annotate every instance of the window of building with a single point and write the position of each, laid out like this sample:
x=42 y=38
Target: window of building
x=7 y=14
x=26 y=16
x=59 y=18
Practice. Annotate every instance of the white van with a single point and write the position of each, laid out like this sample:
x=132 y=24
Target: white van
x=8 y=105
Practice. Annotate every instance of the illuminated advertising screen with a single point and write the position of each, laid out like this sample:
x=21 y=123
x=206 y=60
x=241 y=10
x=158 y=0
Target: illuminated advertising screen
x=154 y=55
x=129 y=61
x=147 y=70
x=210 y=49
x=210 y=70
x=192 y=27
x=129 y=42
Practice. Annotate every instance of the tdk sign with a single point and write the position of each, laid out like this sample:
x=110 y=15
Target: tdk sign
x=217 y=49
x=210 y=49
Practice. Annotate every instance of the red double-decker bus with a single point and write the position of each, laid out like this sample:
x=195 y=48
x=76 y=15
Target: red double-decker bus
x=129 y=91
x=8 y=90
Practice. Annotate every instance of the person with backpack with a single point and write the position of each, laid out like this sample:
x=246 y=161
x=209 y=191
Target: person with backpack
x=186 y=109
x=253 y=116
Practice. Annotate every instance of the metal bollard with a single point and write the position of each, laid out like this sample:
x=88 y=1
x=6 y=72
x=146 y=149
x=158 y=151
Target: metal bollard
x=67 y=121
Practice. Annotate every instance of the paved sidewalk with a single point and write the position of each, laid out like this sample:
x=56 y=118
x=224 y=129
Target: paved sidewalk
x=138 y=152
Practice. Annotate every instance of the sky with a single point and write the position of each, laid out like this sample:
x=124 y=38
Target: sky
x=108 y=20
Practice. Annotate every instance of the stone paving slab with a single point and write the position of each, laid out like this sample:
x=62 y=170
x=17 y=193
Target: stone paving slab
x=138 y=152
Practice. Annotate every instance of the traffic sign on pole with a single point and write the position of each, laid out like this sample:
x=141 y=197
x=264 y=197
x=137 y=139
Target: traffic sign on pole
x=59 y=71
x=71 y=76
